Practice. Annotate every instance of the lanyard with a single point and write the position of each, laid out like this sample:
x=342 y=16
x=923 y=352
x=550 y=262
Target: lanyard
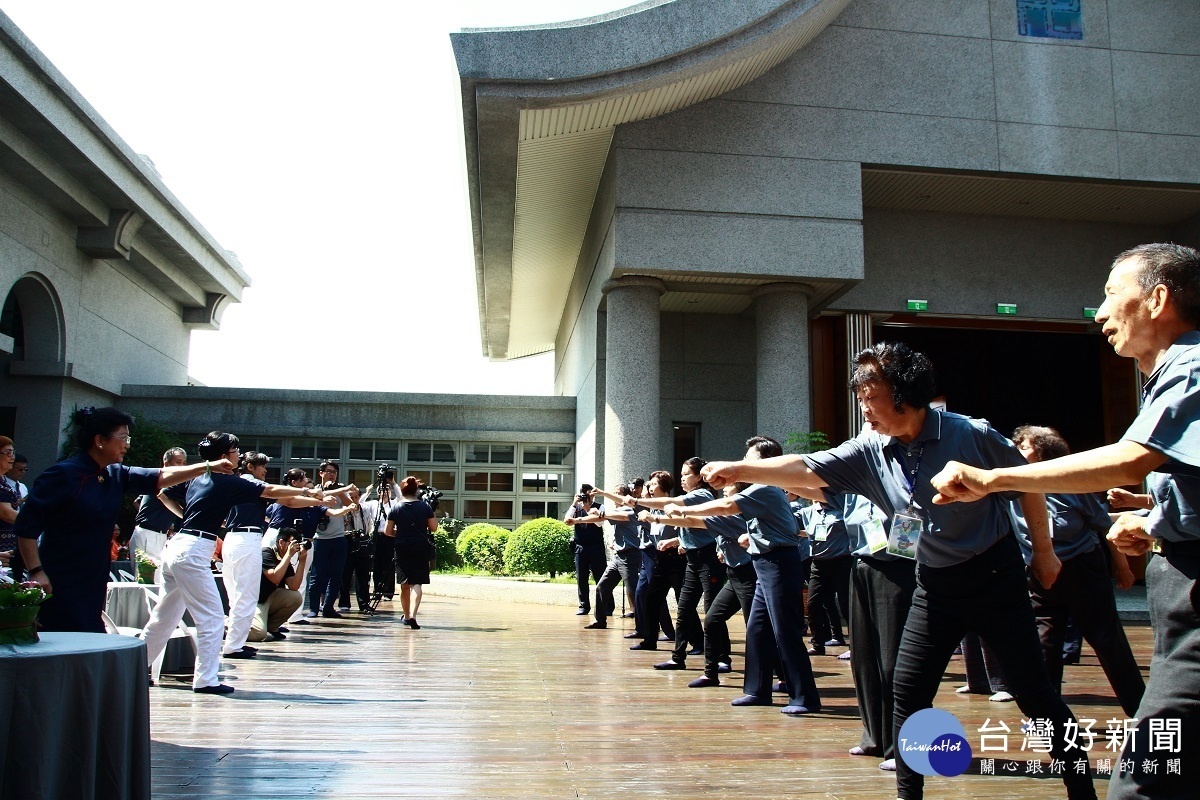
x=911 y=477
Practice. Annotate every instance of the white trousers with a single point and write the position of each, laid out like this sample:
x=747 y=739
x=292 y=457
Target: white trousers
x=188 y=584
x=241 y=552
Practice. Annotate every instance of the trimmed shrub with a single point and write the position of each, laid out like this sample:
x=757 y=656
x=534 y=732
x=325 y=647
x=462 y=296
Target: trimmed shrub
x=539 y=546
x=447 y=553
x=482 y=546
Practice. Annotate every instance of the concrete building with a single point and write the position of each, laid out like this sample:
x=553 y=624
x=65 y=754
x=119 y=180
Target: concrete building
x=704 y=208
x=103 y=273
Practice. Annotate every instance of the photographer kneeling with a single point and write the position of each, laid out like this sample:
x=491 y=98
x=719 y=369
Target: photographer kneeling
x=278 y=593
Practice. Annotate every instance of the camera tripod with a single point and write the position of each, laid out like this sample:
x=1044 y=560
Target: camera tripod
x=377 y=594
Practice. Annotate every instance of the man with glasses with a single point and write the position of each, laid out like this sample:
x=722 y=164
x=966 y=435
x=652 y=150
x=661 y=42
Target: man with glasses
x=17 y=474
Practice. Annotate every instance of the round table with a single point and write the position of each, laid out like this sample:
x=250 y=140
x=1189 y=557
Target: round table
x=75 y=717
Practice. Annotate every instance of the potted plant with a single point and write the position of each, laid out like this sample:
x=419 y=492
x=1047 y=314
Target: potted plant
x=146 y=567
x=19 y=606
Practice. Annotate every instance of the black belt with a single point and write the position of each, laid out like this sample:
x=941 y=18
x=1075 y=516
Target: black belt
x=1170 y=548
x=245 y=529
x=200 y=534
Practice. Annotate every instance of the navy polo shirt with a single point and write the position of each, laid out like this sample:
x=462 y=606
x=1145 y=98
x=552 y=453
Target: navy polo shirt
x=856 y=512
x=695 y=538
x=626 y=528
x=727 y=531
x=877 y=467
x=1169 y=423
x=154 y=516
x=210 y=497
x=280 y=516
x=828 y=516
x=1075 y=521
x=770 y=521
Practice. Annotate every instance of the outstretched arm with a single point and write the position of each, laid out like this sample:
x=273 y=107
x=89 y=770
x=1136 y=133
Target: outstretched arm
x=790 y=472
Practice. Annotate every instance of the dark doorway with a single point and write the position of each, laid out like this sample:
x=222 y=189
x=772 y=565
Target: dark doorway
x=1012 y=377
x=687 y=444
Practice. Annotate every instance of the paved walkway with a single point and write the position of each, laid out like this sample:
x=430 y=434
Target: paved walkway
x=493 y=699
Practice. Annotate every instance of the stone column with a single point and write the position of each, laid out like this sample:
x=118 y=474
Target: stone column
x=631 y=384
x=784 y=401
x=858 y=338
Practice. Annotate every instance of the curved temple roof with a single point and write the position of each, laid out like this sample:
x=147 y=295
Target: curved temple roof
x=540 y=105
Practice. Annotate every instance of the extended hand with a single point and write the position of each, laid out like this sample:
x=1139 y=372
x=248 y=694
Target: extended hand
x=958 y=483
x=673 y=509
x=1129 y=534
x=223 y=466
x=1119 y=498
x=719 y=474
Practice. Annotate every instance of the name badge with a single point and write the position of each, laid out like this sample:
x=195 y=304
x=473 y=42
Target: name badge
x=820 y=533
x=873 y=530
x=1156 y=545
x=906 y=531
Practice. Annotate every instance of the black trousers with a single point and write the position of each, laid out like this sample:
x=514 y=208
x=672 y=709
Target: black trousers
x=589 y=560
x=668 y=571
x=703 y=577
x=829 y=598
x=357 y=575
x=1084 y=590
x=648 y=621
x=622 y=568
x=1171 y=694
x=986 y=594
x=881 y=594
x=774 y=627
x=384 y=566
x=737 y=594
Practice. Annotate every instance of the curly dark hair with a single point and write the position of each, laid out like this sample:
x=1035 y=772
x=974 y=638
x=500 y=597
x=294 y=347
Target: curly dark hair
x=1173 y=265
x=1046 y=442
x=666 y=481
x=908 y=373
x=765 y=446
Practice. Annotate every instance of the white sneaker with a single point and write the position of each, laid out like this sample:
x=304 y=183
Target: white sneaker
x=1002 y=697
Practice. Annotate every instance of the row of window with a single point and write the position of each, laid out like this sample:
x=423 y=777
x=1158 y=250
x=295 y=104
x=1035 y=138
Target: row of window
x=413 y=452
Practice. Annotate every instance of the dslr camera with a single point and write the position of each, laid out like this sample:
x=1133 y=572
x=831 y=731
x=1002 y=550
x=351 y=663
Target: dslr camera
x=306 y=540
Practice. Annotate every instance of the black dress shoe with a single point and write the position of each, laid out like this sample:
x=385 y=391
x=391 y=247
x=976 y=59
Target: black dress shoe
x=670 y=665
x=595 y=626
x=634 y=635
x=243 y=653
x=644 y=646
x=412 y=623
x=664 y=638
x=282 y=629
x=329 y=612
x=629 y=615
x=582 y=611
x=696 y=651
x=220 y=688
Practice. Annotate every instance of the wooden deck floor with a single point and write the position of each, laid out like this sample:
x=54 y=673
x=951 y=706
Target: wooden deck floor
x=497 y=701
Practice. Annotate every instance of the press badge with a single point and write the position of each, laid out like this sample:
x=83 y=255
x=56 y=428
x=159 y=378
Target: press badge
x=906 y=530
x=873 y=530
x=820 y=533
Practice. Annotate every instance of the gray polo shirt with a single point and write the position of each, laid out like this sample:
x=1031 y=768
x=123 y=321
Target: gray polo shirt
x=626 y=529
x=695 y=538
x=1169 y=423
x=827 y=516
x=727 y=531
x=877 y=467
x=857 y=511
x=769 y=518
x=1075 y=521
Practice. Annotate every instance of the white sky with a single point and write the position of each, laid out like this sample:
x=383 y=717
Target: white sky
x=323 y=144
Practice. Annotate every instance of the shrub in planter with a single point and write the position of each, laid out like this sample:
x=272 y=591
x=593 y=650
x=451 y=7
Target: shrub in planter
x=482 y=546
x=539 y=546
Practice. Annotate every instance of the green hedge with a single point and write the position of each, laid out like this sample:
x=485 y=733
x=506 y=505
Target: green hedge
x=482 y=546
x=447 y=553
x=539 y=546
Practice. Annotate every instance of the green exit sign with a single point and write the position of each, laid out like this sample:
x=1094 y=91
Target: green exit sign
x=918 y=305
x=1006 y=308
x=1089 y=313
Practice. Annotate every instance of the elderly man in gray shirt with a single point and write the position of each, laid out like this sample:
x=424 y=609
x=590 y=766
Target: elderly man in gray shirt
x=1150 y=313
x=970 y=574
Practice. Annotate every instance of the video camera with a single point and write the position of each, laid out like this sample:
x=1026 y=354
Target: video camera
x=431 y=496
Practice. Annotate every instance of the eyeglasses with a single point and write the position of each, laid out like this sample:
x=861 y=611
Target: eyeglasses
x=8 y=452
x=19 y=468
x=124 y=437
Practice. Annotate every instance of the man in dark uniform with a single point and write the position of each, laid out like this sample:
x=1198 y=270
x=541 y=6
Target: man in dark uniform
x=588 y=543
x=1150 y=313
